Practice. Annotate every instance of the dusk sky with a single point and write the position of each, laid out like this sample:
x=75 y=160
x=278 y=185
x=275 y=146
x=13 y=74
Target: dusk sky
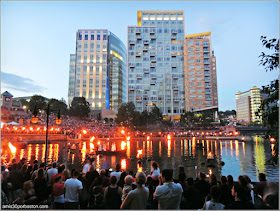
x=37 y=39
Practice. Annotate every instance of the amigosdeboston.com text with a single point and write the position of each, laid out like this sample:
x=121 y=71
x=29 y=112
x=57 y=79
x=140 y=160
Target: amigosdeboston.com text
x=20 y=206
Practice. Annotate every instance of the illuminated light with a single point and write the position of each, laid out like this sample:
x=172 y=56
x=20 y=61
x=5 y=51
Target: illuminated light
x=148 y=137
x=84 y=148
x=123 y=164
x=128 y=138
x=84 y=131
x=236 y=133
x=45 y=129
x=98 y=142
x=29 y=152
x=92 y=138
x=122 y=131
x=38 y=128
x=12 y=148
x=207 y=133
x=15 y=128
x=168 y=136
x=237 y=149
x=168 y=148
x=31 y=128
x=210 y=156
x=139 y=168
x=91 y=146
x=243 y=146
x=197 y=133
x=21 y=153
x=2 y=125
x=58 y=129
x=272 y=140
x=139 y=152
x=113 y=148
x=243 y=138
x=37 y=152
x=52 y=129
x=210 y=171
x=159 y=149
x=123 y=144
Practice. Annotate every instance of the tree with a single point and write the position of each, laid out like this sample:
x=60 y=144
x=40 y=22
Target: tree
x=155 y=115
x=269 y=107
x=188 y=118
x=128 y=115
x=56 y=104
x=37 y=100
x=79 y=107
x=24 y=103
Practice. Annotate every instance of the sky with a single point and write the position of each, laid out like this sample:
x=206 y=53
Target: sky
x=37 y=39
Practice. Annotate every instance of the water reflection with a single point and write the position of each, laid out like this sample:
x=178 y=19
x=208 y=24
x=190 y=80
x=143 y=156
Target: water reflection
x=168 y=153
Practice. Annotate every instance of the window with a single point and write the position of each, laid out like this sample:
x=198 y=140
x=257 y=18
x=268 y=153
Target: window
x=84 y=83
x=97 y=82
x=191 y=67
x=191 y=61
x=104 y=58
x=199 y=90
x=192 y=90
x=198 y=55
x=86 y=36
x=191 y=84
x=78 y=83
x=90 y=94
x=191 y=78
x=85 y=47
x=91 y=70
x=198 y=72
x=98 y=35
x=97 y=58
x=198 y=60
x=197 y=43
x=205 y=43
x=198 y=66
x=92 y=47
x=199 y=96
x=79 y=59
x=96 y=93
x=97 y=71
x=85 y=58
x=85 y=70
x=91 y=58
x=104 y=37
x=199 y=78
x=192 y=102
x=79 y=49
x=98 y=47
x=197 y=49
x=80 y=36
x=192 y=96
x=190 y=43
x=190 y=49
x=191 y=55
x=191 y=72
x=200 y=102
x=199 y=84
x=79 y=70
x=92 y=35
x=104 y=46
x=84 y=93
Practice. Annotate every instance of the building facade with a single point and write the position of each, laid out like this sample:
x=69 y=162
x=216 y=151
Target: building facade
x=155 y=62
x=100 y=69
x=71 y=86
x=200 y=73
x=247 y=104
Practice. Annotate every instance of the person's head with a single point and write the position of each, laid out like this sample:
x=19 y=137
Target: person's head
x=63 y=166
x=35 y=167
x=15 y=166
x=202 y=176
x=123 y=175
x=113 y=180
x=128 y=180
x=213 y=178
x=190 y=181
x=66 y=174
x=118 y=167
x=35 y=162
x=24 y=168
x=242 y=181
x=182 y=177
x=230 y=179
x=154 y=165
x=99 y=181
x=262 y=177
x=247 y=178
x=28 y=185
x=88 y=160
x=103 y=172
x=72 y=172
x=40 y=173
x=29 y=169
x=166 y=175
x=76 y=174
x=140 y=178
x=60 y=170
x=215 y=192
x=54 y=165
x=131 y=173
x=42 y=165
x=19 y=166
x=58 y=179
x=223 y=180
x=238 y=191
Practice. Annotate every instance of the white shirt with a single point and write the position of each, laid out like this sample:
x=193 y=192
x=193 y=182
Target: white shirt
x=116 y=174
x=86 y=168
x=71 y=189
x=137 y=199
x=210 y=205
x=155 y=172
x=51 y=172
x=169 y=195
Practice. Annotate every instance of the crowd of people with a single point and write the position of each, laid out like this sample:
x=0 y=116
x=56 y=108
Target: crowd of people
x=62 y=188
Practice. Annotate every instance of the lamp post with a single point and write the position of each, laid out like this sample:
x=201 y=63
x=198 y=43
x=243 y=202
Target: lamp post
x=35 y=120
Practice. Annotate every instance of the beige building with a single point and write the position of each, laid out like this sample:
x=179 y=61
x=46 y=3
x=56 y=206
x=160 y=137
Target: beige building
x=200 y=73
x=247 y=104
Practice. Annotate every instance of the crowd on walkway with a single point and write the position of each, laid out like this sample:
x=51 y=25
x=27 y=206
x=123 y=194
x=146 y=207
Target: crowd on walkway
x=63 y=188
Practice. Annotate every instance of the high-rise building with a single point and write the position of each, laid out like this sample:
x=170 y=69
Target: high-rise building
x=100 y=72
x=155 y=62
x=200 y=73
x=71 y=86
x=247 y=104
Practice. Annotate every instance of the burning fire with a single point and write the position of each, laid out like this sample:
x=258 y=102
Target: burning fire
x=168 y=136
x=92 y=138
x=272 y=139
x=139 y=152
x=148 y=137
x=128 y=138
x=12 y=148
x=84 y=132
x=122 y=131
x=123 y=144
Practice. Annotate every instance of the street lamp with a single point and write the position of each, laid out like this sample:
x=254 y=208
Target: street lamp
x=57 y=121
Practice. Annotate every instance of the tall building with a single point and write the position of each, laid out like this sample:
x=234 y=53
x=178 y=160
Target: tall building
x=200 y=73
x=155 y=62
x=100 y=69
x=247 y=104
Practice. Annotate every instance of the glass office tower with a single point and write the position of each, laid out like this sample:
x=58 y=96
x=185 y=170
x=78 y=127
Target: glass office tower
x=71 y=86
x=155 y=62
x=100 y=62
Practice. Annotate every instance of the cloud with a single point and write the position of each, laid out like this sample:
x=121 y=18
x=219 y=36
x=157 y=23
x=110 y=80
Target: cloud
x=19 y=83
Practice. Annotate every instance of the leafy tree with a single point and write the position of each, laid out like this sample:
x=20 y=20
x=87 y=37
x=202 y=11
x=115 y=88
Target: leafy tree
x=270 y=107
x=155 y=115
x=37 y=100
x=127 y=115
x=56 y=104
x=144 y=118
x=79 y=107
x=188 y=118
x=24 y=103
x=106 y=119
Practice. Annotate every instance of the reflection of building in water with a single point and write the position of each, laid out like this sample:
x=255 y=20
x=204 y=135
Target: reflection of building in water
x=259 y=154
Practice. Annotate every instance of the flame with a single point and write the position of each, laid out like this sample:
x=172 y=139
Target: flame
x=84 y=132
x=123 y=164
x=139 y=152
x=23 y=128
x=168 y=148
x=12 y=148
x=123 y=144
x=168 y=136
x=148 y=137
x=92 y=138
x=98 y=142
x=210 y=171
x=113 y=148
x=128 y=138
x=122 y=131
x=91 y=146
x=272 y=139
x=139 y=168
x=38 y=128
x=31 y=128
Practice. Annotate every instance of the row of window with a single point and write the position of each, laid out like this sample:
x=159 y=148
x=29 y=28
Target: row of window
x=79 y=47
x=190 y=43
x=91 y=36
